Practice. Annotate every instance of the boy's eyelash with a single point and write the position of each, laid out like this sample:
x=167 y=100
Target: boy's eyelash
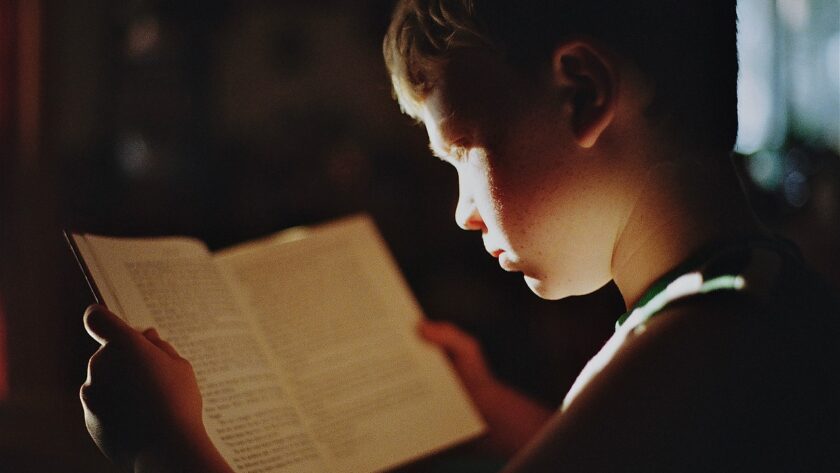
x=455 y=152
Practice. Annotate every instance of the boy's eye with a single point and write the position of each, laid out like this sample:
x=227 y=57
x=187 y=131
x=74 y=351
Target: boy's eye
x=465 y=154
x=459 y=153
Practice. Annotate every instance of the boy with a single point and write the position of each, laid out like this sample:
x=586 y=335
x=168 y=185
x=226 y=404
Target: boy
x=591 y=140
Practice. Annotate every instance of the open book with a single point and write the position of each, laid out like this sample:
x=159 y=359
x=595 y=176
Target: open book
x=304 y=345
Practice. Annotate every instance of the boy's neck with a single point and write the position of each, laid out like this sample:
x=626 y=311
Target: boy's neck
x=683 y=205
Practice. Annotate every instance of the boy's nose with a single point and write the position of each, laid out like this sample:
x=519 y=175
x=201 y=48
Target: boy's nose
x=466 y=214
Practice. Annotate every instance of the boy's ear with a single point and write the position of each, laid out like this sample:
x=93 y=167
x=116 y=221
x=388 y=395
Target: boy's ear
x=592 y=84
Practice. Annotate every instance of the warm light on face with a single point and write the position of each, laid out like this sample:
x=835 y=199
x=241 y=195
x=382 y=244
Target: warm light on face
x=531 y=213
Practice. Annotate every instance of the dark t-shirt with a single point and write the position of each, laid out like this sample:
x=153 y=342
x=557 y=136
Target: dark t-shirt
x=789 y=419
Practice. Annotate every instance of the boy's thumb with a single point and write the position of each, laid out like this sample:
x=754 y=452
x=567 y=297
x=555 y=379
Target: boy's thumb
x=449 y=337
x=103 y=326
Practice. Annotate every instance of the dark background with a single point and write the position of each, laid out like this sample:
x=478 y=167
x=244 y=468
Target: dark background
x=231 y=120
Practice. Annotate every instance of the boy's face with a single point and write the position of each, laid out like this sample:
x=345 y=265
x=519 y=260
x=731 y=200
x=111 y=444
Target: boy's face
x=536 y=196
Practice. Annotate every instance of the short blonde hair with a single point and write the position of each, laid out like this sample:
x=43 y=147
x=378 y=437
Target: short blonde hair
x=686 y=49
x=420 y=41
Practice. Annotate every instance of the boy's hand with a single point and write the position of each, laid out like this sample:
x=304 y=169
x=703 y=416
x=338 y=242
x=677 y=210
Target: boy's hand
x=464 y=352
x=512 y=418
x=141 y=401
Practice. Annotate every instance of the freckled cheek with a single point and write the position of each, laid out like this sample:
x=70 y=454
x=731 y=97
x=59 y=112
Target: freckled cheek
x=519 y=188
x=526 y=209
x=513 y=212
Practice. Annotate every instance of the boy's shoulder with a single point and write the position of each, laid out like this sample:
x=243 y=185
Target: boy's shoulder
x=780 y=317
x=722 y=378
x=757 y=366
x=705 y=386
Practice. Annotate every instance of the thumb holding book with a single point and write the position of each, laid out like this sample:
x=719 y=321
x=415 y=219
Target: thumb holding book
x=512 y=418
x=463 y=351
x=103 y=326
x=141 y=401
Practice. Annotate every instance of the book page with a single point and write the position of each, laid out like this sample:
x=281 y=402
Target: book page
x=341 y=327
x=173 y=285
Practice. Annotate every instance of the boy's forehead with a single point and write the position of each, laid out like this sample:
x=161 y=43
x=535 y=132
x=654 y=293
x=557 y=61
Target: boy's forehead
x=450 y=117
x=438 y=120
x=472 y=88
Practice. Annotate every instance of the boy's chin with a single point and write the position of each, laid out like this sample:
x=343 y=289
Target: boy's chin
x=544 y=290
x=549 y=290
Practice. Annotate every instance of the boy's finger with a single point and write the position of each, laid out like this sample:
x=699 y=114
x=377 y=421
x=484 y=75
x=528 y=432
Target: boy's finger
x=448 y=337
x=432 y=331
x=153 y=336
x=462 y=349
x=103 y=326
